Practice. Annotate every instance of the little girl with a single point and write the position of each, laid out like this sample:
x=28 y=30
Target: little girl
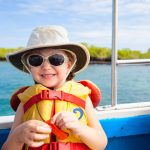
x=56 y=113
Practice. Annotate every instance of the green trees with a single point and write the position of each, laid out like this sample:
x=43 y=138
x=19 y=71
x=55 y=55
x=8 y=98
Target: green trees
x=129 y=54
x=96 y=53
x=99 y=53
x=5 y=51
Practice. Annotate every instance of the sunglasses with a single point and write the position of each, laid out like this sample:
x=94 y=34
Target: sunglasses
x=36 y=60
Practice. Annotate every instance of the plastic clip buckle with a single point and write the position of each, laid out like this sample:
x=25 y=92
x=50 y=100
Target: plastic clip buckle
x=50 y=94
x=44 y=94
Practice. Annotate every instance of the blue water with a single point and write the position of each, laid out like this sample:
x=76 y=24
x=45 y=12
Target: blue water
x=133 y=83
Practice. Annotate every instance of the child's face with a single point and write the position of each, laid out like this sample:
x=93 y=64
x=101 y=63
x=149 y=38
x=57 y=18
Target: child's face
x=47 y=74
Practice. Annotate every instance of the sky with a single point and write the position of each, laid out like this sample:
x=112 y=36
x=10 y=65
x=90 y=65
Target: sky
x=87 y=21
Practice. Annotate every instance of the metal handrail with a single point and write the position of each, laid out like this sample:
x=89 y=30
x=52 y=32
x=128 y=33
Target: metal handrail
x=134 y=61
x=114 y=52
x=115 y=61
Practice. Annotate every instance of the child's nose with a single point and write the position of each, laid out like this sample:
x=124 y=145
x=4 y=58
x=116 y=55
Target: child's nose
x=46 y=64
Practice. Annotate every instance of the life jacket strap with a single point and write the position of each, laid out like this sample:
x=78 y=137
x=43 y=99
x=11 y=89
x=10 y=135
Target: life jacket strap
x=57 y=131
x=61 y=146
x=95 y=94
x=53 y=95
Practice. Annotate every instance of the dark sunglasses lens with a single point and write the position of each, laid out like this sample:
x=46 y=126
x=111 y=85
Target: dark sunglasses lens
x=35 y=60
x=56 y=60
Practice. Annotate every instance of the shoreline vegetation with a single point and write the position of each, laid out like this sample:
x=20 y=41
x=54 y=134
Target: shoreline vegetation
x=98 y=54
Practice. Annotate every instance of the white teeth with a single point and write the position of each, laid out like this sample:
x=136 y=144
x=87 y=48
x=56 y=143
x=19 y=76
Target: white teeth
x=47 y=75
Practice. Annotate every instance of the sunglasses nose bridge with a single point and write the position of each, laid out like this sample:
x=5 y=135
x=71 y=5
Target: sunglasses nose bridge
x=46 y=62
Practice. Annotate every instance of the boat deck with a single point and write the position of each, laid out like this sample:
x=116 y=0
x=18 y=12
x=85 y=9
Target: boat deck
x=126 y=128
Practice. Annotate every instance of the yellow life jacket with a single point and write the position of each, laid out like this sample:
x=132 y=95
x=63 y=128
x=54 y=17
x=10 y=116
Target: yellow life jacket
x=45 y=108
x=41 y=103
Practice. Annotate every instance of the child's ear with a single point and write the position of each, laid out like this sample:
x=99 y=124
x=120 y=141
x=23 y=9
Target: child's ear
x=69 y=65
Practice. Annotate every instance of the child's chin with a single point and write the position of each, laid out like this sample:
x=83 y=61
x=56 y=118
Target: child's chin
x=50 y=85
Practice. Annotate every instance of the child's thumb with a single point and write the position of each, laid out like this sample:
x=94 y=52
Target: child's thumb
x=53 y=119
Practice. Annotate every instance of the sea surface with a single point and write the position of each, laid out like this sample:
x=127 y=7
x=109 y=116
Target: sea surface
x=133 y=83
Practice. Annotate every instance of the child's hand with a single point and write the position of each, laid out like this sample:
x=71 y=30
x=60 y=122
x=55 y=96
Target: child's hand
x=32 y=133
x=67 y=120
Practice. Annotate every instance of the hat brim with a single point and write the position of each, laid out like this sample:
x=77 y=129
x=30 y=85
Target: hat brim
x=81 y=52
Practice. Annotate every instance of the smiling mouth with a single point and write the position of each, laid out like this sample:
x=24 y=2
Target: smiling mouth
x=47 y=76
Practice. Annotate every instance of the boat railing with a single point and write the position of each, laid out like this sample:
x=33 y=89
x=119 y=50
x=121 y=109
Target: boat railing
x=114 y=74
x=115 y=62
x=134 y=61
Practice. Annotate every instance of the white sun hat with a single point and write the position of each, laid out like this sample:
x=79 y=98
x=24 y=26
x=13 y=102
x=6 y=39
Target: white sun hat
x=55 y=37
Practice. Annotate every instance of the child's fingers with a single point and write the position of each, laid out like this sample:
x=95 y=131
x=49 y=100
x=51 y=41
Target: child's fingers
x=38 y=137
x=67 y=125
x=41 y=129
x=53 y=119
x=38 y=122
x=59 y=117
x=34 y=143
x=37 y=126
x=64 y=122
x=63 y=118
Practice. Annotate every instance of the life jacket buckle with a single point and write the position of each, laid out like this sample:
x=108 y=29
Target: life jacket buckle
x=50 y=94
